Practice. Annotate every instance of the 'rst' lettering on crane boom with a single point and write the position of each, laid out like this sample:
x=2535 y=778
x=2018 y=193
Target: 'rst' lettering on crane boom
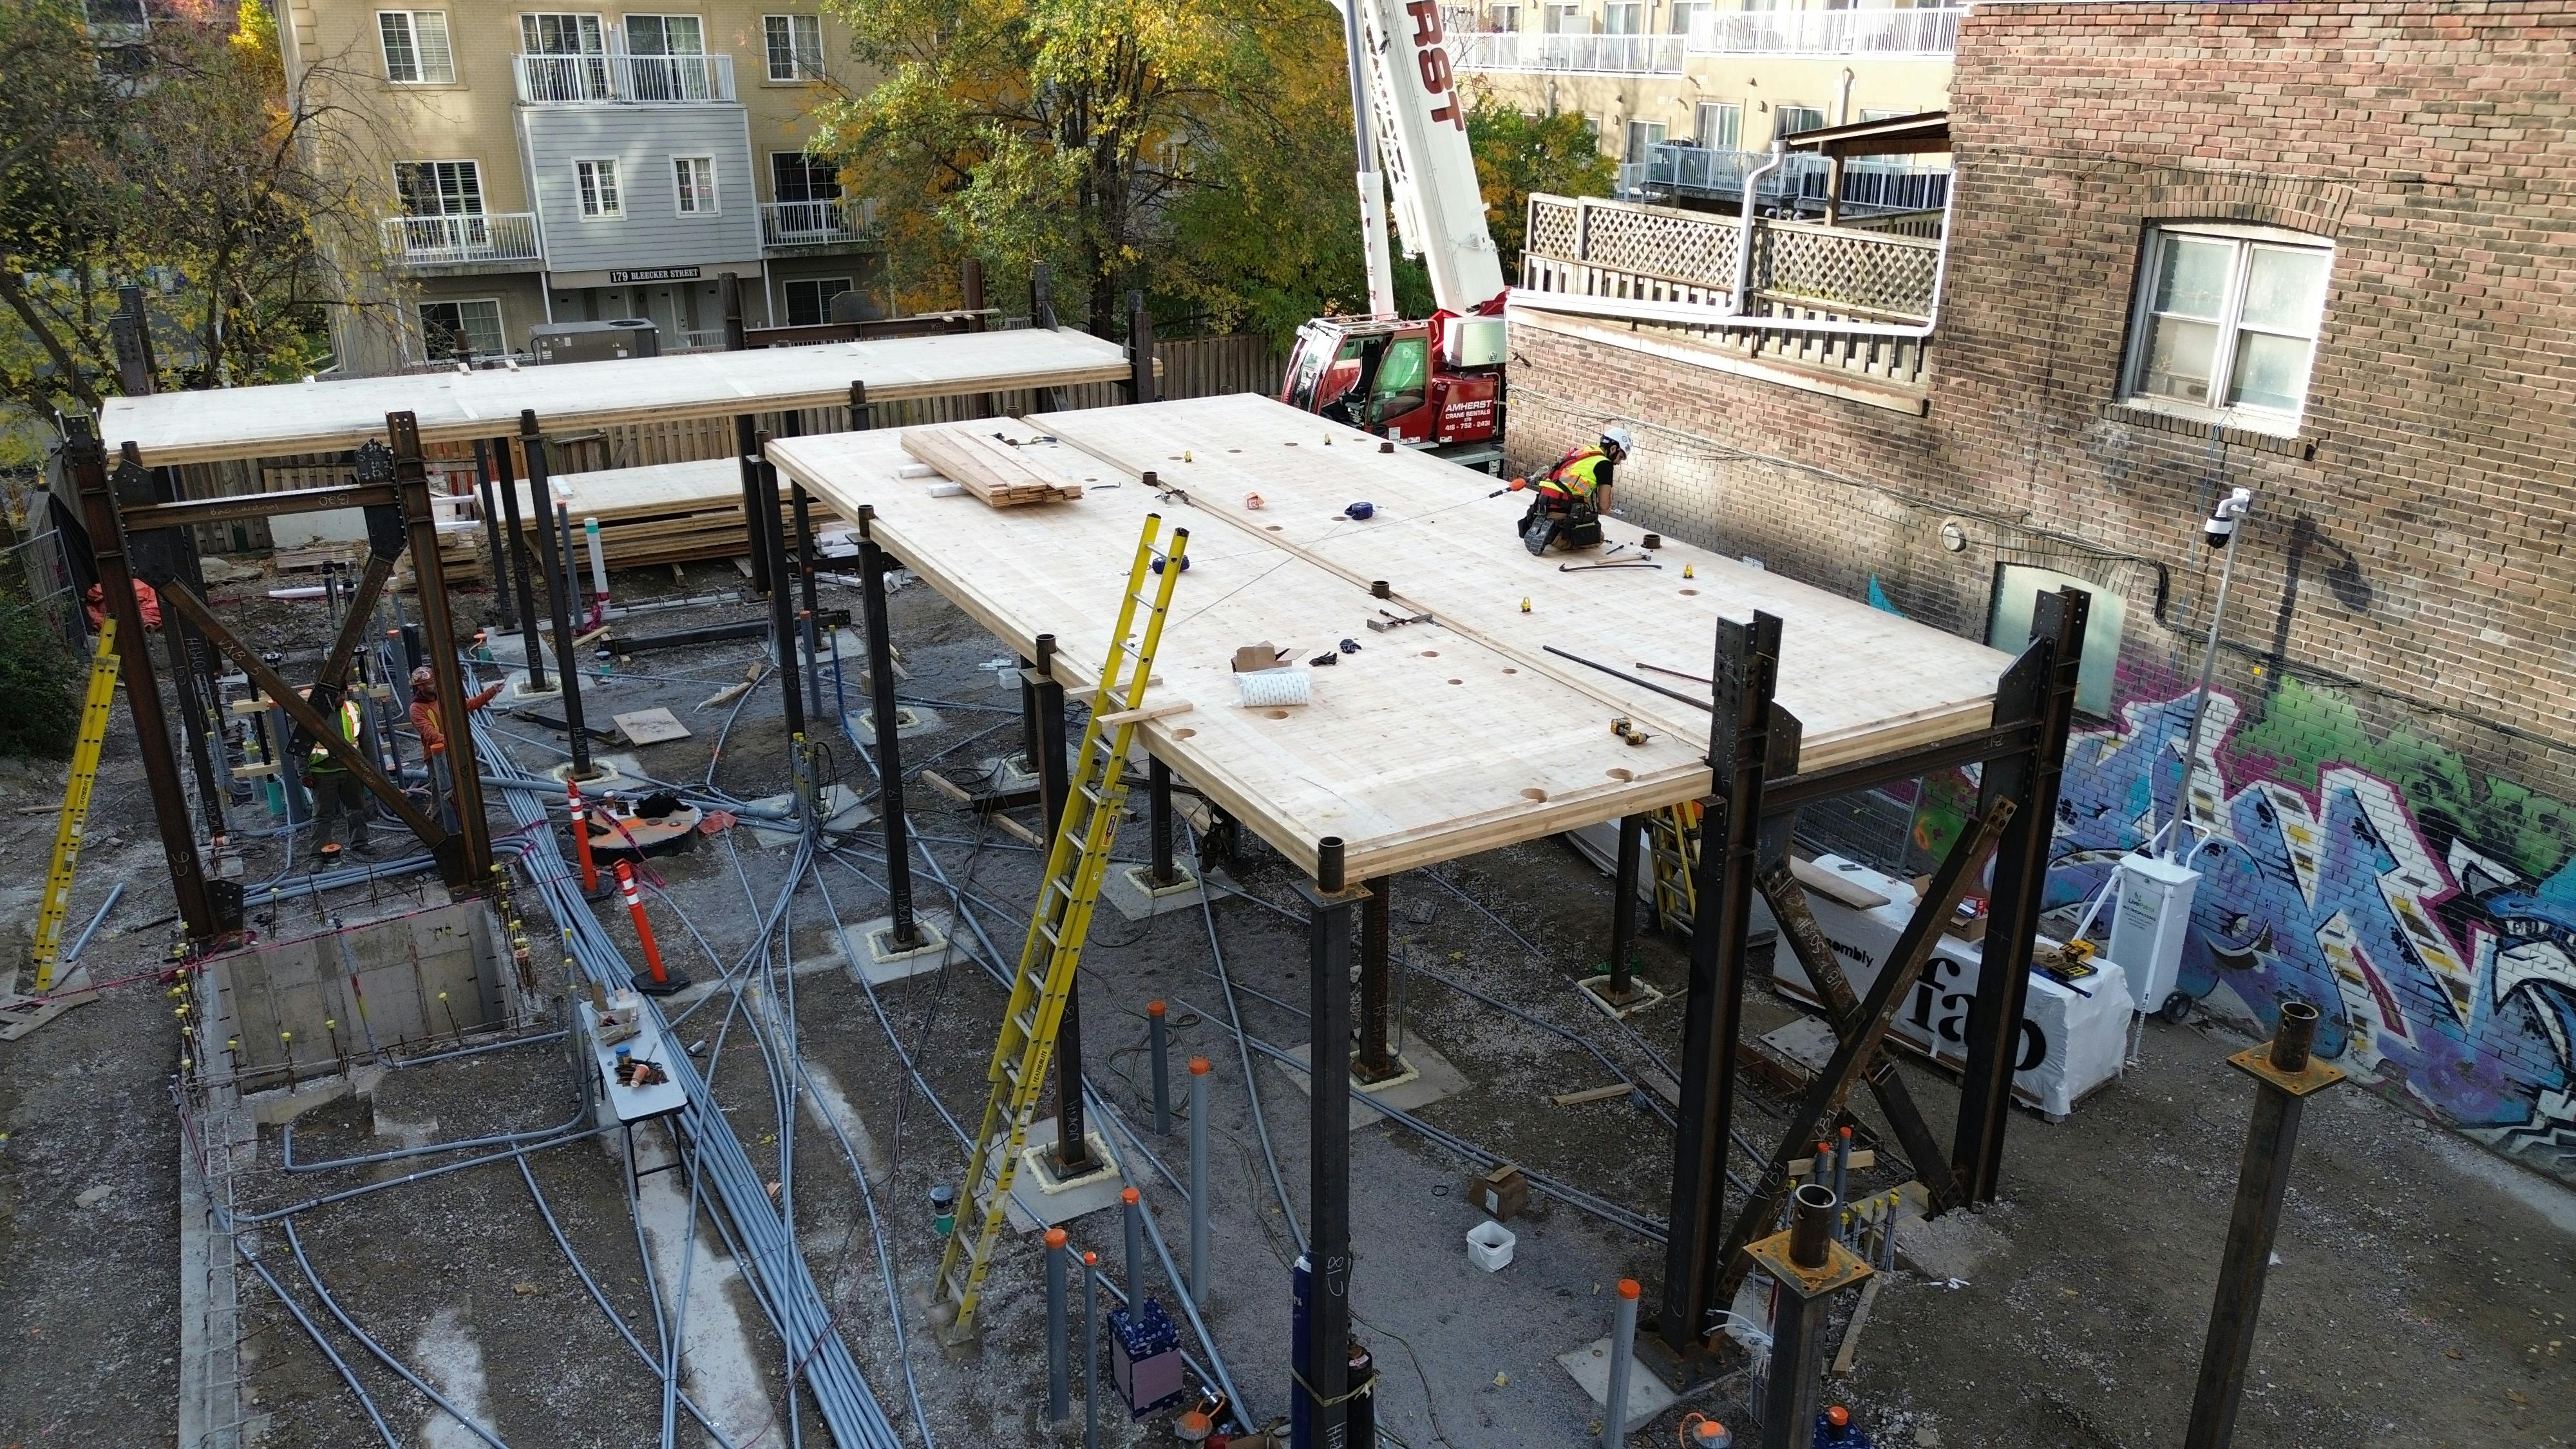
x=1432 y=55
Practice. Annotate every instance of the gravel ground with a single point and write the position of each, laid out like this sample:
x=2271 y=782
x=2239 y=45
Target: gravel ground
x=2417 y=1301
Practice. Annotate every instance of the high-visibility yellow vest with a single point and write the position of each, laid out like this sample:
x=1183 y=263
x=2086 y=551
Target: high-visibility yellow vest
x=321 y=758
x=1575 y=475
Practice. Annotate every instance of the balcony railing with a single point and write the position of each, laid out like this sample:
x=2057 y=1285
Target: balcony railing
x=1798 y=183
x=428 y=241
x=1825 y=32
x=816 y=223
x=1512 y=50
x=1801 y=270
x=598 y=80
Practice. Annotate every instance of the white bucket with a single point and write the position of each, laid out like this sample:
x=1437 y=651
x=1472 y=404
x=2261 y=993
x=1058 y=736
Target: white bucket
x=1489 y=1246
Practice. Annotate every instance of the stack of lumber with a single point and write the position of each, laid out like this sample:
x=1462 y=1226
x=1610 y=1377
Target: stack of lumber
x=662 y=514
x=987 y=465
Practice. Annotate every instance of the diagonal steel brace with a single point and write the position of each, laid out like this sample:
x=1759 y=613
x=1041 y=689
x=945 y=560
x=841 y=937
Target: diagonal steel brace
x=1860 y=1033
x=1788 y=902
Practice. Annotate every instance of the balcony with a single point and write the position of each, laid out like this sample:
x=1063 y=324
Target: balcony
x=446 y=241
x=785 y=224
x=1799 y=184
x=1512 y=50
x=1890 y=33
x=625 y=80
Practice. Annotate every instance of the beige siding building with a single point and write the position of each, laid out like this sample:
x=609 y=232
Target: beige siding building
x=563 y=165
x=1690 y=94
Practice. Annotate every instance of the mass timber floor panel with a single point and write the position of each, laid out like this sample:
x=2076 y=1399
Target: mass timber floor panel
x=1423 y=746
x=323 y=417
x=1862 y=681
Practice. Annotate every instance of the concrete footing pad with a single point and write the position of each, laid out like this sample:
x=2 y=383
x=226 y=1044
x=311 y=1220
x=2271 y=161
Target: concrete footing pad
x=1040 y=1200
x=839 y=808
x=616 y=772
x=1426 y=1077
x=1131 y=889
x=1590 y=1366
x=883 y=963
x=909 y=720
x=1597 y=991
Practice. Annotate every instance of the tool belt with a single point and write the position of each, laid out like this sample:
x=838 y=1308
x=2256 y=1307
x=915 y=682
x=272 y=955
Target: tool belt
x=1554 y=520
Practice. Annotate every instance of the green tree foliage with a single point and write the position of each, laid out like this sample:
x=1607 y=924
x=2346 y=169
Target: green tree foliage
x=1518 y=154
x=173 y=156
x=38 y=676
x=1196 y=149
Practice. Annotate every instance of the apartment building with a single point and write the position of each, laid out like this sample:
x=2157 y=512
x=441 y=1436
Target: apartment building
x=550 y=165
x=2317 y=252
x=1690 y=94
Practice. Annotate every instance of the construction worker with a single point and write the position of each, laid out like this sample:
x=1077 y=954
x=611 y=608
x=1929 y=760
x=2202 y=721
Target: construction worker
x=1568 y=500
x=433 y=735
x=336 y=792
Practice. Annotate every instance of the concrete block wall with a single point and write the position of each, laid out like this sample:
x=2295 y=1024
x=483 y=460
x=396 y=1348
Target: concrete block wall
x=2392 y=757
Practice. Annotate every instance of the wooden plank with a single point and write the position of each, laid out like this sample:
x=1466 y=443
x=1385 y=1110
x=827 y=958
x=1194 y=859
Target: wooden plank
x=650 y=726
x=980 y=460
x=253 y=422
x=1835 y=887
x=1417 y=749
x=1862 y=681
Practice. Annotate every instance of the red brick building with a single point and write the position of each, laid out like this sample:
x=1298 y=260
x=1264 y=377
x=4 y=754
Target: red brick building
x=2322 y=252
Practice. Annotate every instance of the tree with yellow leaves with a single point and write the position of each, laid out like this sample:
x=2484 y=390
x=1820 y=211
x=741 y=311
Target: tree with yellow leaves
x=1194 y=149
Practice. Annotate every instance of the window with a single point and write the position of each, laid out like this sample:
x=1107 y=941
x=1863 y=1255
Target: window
x=453 y=329
x=795 y=46
x=795 y=176
x=2227 y=323
x=416 y=48
x=1564 y=20
x=1686 y=13
x=669 y=61
x=1398 y=388
x=1790 y=120
x=665 y=35
x=1718 y=125
x=1503 y=18
x=1592 y=131
x=1643 y=137
x=560 y=35
x=809 y=300
x=1624 y=17
x=439 y=188
x=694 y=179
x=598 y=183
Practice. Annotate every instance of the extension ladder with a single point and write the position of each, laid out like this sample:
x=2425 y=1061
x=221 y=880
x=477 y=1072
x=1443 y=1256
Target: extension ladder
x=74 y=819
x=1675 y=843
x=1077 y=861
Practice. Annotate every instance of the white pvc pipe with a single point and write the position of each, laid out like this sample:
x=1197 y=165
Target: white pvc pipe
x=598 y=562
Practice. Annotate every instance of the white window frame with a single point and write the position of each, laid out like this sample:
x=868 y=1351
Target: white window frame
x=1638 y=142
x=470 y=170
x=1624 y=17
x=842 y=284
x=1780 y=119
x=831 y=175
x=590 y=29
x=1558 y=18
x=802 y=64
x=2246 y=241
x=1700 y=127
x=422 y=72
x=500 y=323
x=626 y=30
x=586 y=189
x=706 y=200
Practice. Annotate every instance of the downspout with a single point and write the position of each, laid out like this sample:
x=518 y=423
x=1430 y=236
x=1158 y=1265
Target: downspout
x=1684 y=314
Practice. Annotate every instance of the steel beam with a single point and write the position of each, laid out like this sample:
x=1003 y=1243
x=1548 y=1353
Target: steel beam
x=1745 y=670
x=191 y=513
x=471 y=867
x=85 y=462
x=2039 y=689
x=1808 y=787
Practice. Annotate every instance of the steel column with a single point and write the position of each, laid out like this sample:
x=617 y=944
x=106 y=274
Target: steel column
x=2286 y=1075
x=558 y=591
x=492 y=527
x=745 y=426
x=1042 y=314
x=1072 y=1156
x=2040 y=688
x=769 y=538
x=1158 y=804
x=85 y=461
x=791 y=423
x=1328 y=1215
x=471 y=864
x=509 y=486
x=898 y=848
x=1622 y=986
x=1140 y=351
x=1375 y=1060
x=1745 y=670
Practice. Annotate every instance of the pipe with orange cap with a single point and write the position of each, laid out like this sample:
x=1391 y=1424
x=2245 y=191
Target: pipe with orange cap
x=1059 y=1382
x=1133 y=1210
x=1623 y=1343
x=1199 y=1068
x=1159 y=1047
x=1090 y=1353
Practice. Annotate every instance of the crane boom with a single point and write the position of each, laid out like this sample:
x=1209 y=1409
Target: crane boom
x=1421 y=125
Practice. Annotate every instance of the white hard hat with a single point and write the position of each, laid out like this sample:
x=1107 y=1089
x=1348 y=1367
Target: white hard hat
x=1619 y=438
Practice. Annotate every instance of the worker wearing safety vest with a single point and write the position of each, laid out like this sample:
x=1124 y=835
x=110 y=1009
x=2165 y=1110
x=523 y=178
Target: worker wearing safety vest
x=336 y=792
x=1568 y=500
x=433 y=735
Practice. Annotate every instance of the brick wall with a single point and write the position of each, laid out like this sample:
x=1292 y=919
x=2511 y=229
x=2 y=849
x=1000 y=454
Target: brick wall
x=2399 y=670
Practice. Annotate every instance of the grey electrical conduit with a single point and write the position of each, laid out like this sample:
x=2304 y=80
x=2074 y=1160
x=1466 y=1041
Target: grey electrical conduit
x=313 y=1330
x=296 y=1244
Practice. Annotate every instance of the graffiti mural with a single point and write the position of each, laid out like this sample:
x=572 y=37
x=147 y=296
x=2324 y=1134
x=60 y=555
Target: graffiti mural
x=2430 y=914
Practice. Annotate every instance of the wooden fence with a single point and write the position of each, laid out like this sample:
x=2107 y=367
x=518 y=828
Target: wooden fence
x=1189 y=367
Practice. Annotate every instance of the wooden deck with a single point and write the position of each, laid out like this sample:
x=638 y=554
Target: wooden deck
x=321 y=417
x=1434 y=740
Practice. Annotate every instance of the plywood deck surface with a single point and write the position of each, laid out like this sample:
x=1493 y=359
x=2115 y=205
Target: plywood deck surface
x=1423 y=746
x=249 y=422
x=1434 y=740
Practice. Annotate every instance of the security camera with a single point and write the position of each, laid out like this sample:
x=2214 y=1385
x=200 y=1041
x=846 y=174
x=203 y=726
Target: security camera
x=2221 y=526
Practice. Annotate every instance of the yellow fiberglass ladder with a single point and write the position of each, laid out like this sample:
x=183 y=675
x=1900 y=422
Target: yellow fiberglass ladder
x=1077 y=861
x=20 y=1015
x=1676 y=854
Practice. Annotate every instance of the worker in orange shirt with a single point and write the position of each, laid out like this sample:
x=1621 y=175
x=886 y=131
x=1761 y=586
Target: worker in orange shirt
x=426 y=723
